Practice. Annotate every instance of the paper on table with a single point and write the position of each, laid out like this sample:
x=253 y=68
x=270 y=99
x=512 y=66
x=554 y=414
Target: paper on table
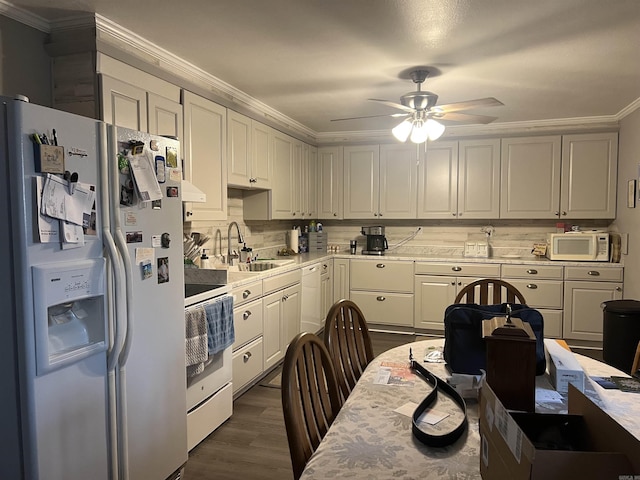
x=394 y=374
x=431 y=417
x=144 y=177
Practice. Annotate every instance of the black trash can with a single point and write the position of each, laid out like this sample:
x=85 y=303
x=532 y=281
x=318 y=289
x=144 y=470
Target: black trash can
x=621 y=332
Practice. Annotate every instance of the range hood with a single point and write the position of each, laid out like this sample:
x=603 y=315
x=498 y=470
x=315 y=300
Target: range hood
x=191 y=193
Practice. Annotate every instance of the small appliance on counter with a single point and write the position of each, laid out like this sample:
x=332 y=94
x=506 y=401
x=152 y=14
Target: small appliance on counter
x=376 y=241
x=585 y=246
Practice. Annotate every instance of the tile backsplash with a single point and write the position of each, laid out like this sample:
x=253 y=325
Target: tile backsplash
x=436 y=237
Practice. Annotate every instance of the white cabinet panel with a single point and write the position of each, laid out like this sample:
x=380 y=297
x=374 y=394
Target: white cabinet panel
x=165 y=116
x=204 y=145
x=438 y=181
x=330 y=181
x=479 y=178
x=123 y=105
x=583 y=317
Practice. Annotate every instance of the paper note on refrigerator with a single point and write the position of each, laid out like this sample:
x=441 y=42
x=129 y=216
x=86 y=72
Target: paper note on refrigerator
x=48 y=227
x=58 y=202
x=144 y=177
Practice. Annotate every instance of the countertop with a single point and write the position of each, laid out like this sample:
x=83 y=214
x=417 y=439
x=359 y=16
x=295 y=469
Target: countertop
x=237 y=279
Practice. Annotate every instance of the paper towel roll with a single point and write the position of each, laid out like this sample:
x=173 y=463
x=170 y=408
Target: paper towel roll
x=293 y=240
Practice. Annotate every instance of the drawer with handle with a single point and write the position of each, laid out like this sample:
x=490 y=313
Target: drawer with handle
x=391 y=276
x=247 y=364
x=539 y=293
x=594 y=274
x=547 y=272
x=247 y=322
x=246 y=293
x=385 y=308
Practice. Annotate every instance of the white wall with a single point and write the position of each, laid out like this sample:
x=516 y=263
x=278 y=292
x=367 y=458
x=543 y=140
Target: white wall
x=628 y=219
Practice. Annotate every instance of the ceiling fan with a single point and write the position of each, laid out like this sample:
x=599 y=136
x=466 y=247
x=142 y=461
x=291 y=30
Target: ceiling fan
x=421 y=112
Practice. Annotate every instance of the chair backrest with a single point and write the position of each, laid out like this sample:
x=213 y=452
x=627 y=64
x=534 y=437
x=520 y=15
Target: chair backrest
x=347 y=338
x=310 y=397
x=503 y=292
x=636 y=361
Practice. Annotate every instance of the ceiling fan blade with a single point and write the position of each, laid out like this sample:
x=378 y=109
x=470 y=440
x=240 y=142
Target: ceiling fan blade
x=465 y=117
x=371 y=116
x=480 y=102
x=393 y=104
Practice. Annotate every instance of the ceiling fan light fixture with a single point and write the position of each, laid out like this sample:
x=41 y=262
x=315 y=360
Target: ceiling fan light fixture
x=420 y=131
x=402 y=130
x=435 y=128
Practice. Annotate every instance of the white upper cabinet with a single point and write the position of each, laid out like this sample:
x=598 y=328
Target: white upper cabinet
x=438 y=181
x=589 y=175
x=380 y=181
x=309 y=182
x=479 y=178
x=330 y=175
x=165 y=116
x=123 y=104
x=204 y=146
x=398 y=181
x=248 y=152
x=531 y=169
x=361 y=181
x=561 y=177
x=460 y=180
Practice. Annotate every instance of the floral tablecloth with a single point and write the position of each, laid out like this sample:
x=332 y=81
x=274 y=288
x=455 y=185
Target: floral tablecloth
x=370 y=440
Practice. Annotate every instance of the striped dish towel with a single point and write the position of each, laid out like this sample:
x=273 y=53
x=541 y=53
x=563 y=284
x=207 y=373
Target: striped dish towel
x=196 y=340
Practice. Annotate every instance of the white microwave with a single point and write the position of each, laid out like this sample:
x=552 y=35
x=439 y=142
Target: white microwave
x=578 y=246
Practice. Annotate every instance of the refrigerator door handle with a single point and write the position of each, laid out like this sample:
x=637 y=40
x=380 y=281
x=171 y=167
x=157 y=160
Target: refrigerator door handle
x=121 y=244
x=112 y=253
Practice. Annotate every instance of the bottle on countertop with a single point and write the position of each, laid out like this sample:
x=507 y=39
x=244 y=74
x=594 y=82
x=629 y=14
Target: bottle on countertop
x=204 y=260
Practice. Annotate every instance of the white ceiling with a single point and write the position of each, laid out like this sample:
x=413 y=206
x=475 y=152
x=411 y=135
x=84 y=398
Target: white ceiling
x=315 y=60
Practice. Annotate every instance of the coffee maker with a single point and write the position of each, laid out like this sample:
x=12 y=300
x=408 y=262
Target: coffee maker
x=376 y=241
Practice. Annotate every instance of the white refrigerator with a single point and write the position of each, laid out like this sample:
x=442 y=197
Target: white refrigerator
x=92 y=333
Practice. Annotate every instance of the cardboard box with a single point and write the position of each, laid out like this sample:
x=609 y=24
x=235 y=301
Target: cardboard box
x=586 y=444
x=563 y=367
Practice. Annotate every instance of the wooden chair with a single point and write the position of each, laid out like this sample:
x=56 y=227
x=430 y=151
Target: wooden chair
x=348 y=341
x=310 y=397
x=636 y=361
x=503 y=292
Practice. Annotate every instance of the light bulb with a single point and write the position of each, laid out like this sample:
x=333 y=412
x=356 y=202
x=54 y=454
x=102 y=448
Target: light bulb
x=402 y=130
x=420 y=132
x=435 y=129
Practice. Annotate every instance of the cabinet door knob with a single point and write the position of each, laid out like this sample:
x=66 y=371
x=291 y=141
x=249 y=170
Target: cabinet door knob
x=564 y=213
x=335 y=214
x=459 y=283
x=618 y=289
x=246 y=294
x=379 y=214
x=381 y=298
x=456 y=269
x=246 y=314
x=593 y=273
x=531 y=271
x=380 y=265
x=556 y=213
x=246 y=356
x=532 y=286
x=453 y=283
x=375 y=214
x=453 y=213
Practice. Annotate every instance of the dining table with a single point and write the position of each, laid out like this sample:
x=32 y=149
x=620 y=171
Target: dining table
x=371 y=437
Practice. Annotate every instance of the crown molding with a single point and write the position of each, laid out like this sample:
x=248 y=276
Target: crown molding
x=27 y=18
x=110 y=31
x=629 y=109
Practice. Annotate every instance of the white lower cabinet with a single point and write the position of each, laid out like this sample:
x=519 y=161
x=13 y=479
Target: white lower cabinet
x=281 y=315
x=436 y=286
x=340 y=278
x=326 y=288
x=247 y=364
x=585 y=288
x=543 y=289
x=247 y=322
x=383 y=290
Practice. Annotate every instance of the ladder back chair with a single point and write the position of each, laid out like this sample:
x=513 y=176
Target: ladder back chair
x=503 y=292
x=310 y=397
x=636 y=362
x=347 y=338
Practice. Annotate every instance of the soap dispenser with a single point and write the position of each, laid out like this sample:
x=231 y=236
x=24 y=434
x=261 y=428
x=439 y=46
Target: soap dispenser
x=204 y=260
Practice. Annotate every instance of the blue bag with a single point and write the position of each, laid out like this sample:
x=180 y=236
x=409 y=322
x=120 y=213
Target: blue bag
x=464 y=347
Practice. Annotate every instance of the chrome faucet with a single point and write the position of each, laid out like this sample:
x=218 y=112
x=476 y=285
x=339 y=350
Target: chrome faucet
x=230 y=257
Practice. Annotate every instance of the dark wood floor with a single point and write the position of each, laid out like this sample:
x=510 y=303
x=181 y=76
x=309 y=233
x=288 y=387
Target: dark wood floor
x=252 y=444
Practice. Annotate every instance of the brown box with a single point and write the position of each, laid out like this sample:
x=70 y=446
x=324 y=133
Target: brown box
x=49 y=158
x=586 y=444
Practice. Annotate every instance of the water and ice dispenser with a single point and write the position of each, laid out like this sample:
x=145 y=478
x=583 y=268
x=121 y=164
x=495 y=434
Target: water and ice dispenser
x=69 y=311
